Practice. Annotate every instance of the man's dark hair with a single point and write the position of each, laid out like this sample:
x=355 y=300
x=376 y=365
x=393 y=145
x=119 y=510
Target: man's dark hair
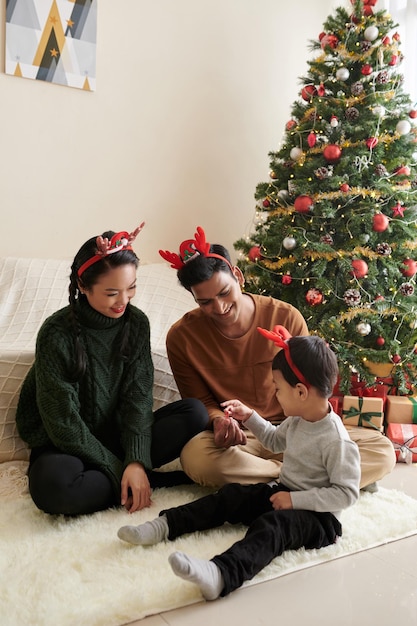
x=201 y=268
x=315 y=360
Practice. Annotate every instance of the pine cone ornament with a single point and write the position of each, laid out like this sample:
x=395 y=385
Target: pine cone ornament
x=407 y=289
x=352 y=297
x=357 y=88
x=352 y=114
x=384 y=249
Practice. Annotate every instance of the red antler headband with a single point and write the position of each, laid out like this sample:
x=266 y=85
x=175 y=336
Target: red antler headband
x=280 y=337
x=119 y=241
x=190 y=249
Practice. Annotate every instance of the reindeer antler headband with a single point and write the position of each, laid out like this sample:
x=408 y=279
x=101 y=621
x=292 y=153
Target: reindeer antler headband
x=190 y=249
x=280 y=336
x=119 y=241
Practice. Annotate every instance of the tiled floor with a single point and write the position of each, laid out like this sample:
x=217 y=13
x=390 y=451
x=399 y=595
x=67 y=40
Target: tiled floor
x=373 y=588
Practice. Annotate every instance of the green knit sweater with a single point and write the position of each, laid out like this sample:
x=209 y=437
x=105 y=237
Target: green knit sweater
x=105 y=418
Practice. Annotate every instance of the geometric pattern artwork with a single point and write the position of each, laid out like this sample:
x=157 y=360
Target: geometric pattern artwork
x=52 y=40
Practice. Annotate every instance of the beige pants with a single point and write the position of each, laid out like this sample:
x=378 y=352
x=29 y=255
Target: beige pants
x=209 y=465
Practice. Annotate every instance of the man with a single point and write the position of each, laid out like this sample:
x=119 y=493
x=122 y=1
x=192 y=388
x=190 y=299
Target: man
x=216 y=354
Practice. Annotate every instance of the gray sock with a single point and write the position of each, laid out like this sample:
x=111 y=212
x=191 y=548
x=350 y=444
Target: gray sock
x=205 y=574
x=146 y=534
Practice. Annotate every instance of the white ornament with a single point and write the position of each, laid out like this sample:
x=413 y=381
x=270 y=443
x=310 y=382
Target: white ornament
x=363 y=328
x=283 y=194
x=403 y=127
x=289 y=243
x=364 y=238
x=379 y=110
x=334 y=121
x=296 y=154
x=371 y=33
x=342 y=73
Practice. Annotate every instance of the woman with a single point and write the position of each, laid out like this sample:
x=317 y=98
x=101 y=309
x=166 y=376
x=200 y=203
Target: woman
x=85 y=407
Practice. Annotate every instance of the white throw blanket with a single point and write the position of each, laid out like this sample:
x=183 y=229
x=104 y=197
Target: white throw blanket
x=66 y=571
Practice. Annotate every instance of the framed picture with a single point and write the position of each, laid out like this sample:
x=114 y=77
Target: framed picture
x=53 y=41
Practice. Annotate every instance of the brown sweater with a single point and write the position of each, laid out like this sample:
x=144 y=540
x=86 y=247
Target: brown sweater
x=209 y=366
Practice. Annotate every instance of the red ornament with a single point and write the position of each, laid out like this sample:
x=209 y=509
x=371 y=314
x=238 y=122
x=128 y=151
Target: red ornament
x=332 y=153
x=396 y=359
x=398 y=210
x=322 y=34
x=314 y=297
x=266 y=203
x=311 y=139
x=303 y=204
x=413 y=114
x=344 y=187
x=396 y=36
x=393 y=60
x=321 y=90
x=329 y=40
x=308 y=92
x=371 y=142
x=380 y=222
x=254 y=254
x=380 y=341
x=403 y=170
x=386 y=41
x=411 y=268
x=359 y=268
x=366 y=69
x=286 y=279
x=290 y=124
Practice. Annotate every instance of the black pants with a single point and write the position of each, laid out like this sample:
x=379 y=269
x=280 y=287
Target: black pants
x=270 y=532
x=63 y=484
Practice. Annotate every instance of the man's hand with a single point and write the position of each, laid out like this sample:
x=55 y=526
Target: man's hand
x=227 y=432
x=281 y=500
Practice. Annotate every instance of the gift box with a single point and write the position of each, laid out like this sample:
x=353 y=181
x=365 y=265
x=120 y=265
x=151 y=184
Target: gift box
x=336 y=403
x=360 y=411
x=377 y=390
x=401 y=410
x=404 y=440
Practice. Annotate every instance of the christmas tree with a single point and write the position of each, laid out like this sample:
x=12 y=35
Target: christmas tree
x=335 y=225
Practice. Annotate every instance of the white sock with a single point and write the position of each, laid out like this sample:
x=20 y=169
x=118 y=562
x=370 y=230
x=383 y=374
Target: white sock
x=146 y=534
x=205 y=574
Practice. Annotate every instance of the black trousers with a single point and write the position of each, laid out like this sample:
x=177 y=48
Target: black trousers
x=60 y=483
x=270 y=532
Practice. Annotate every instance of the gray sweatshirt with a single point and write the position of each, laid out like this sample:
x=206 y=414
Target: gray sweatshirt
x=321 y=463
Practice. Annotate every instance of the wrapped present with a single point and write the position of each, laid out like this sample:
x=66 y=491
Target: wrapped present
x=401 y=410
x=336 y=403
x=404 y=440
x=360 y=411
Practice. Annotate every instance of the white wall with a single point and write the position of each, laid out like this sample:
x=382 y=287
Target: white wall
x=191 y=96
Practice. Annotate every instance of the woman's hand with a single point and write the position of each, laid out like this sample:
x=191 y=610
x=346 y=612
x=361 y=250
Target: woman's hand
x=136 y=490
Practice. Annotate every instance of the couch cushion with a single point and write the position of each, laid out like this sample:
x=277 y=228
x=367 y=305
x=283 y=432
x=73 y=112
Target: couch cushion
x=32 y=289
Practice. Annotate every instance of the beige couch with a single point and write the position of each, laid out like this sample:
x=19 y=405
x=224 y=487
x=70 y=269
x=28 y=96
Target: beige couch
x=32 y=289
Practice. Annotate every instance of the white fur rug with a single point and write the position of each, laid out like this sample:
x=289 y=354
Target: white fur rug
x=63 y=571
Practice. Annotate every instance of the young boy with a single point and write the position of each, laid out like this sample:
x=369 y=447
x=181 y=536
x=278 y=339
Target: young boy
x=319 y=477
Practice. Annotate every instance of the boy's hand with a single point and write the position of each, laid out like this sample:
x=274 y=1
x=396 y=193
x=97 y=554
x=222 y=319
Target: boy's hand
x=281 y=500
x=237 y=410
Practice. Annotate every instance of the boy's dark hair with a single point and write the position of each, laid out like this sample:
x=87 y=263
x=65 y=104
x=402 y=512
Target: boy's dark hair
x=315 y=360
x=201 y=268
x=88 y=279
